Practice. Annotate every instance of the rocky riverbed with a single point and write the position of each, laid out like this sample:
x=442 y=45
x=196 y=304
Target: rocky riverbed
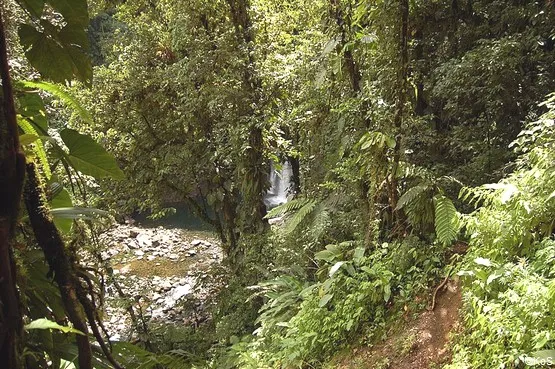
x=158 y=269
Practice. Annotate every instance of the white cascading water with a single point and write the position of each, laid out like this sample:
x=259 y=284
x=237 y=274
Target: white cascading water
x=280 y=185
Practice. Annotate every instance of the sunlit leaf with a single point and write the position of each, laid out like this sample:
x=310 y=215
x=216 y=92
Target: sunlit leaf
x=48 y=324
x=89 y=157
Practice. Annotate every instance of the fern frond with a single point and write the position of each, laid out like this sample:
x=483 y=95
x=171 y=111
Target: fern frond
x=412 y=193
x=38 y=146
x=476 y=196
x=411 y=171
x=66 y=97
x=293 y=222
x=446 y=219
x=420 y=212
x=320 y=221
x=174 y=359
x=288 y=207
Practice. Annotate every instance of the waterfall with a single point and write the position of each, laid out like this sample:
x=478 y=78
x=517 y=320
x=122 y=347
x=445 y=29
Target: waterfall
x=280 y=185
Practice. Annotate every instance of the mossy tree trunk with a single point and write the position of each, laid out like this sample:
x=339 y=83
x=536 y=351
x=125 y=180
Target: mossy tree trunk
x=12 y=174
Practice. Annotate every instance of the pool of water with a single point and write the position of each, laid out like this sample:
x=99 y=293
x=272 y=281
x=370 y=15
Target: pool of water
x=183 y=218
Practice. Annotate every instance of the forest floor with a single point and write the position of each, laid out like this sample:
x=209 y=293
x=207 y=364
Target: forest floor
x=422 y=343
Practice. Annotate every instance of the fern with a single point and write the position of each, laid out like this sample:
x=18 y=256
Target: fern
x=67 y=98
x=412 y=194
x=446 y=219
x=320 y=221
x=287 y=207
x=477 y=196
x=300 y=216
x=284 y=295
x=132 y=356
x=38 y=146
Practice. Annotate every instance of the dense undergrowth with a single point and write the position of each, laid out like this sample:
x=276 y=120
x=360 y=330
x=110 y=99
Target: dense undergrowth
x=356 y=295
x=509 y=276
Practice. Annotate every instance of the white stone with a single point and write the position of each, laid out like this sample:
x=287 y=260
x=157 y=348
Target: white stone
x=144 y=240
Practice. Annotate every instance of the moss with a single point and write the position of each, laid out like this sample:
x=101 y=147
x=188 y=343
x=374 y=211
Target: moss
x=161 y=267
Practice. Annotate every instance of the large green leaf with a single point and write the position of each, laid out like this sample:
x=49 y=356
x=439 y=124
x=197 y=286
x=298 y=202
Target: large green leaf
x=325 y=299
x=74 y=11
x=58 y=55
x=35 y=7
x=61 y=199
x=78 y=213
x=48 y=324
x=32 y=108
x=88 y=157
x=29 y=128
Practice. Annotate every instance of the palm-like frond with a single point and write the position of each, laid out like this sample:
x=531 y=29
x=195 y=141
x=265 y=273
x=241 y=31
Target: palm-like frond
x=412 y=193
x=67 y=98
x=446 y=219
x=293 y=222
x=38 y=146
x=288 y=207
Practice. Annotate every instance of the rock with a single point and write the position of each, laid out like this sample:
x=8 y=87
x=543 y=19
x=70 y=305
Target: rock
x=177 y=293
x=144 y=240
x=155 y=243
x=191 y=253
x=133 y=233
x=151 y=257
x=173 y=256
x=166 y=285
x=132 y=243
x=196 y=242
x=139 y=252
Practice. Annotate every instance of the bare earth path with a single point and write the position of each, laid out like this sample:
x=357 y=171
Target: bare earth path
x=424 y=343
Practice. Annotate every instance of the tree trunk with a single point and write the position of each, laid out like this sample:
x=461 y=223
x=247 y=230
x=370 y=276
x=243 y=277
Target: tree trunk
x=420 y=104
x=401 y=93
x=255 y=181
x=12 y=174
x=52 y=245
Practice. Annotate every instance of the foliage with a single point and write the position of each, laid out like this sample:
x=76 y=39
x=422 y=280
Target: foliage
x=509 y=281
x=425 y=204
x=195 y=98
x=305 y=324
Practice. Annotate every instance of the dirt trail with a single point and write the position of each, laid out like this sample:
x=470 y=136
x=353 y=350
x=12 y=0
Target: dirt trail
x=423 y=343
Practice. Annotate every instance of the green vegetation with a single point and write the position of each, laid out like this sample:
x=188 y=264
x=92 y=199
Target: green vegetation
x=420 y=141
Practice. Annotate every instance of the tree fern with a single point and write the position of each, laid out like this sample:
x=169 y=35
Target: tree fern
x=446 y=219
x=320 y=221
x=132 y=356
